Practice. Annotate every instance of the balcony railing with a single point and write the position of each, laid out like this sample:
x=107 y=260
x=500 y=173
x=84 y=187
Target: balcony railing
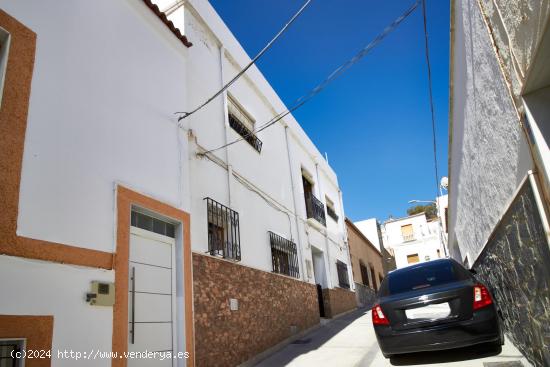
x=245 y=132
x=315 y=209
x=408 y=237
x=223 y=231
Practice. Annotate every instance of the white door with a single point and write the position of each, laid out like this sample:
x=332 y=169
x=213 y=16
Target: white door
x=151 y=299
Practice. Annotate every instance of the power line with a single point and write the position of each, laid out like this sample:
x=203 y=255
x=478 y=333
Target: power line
x=434 y=136
x=260 y=54
x=434 y=139
x=332 y=76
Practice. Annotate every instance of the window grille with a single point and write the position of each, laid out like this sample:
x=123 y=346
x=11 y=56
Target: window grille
x=223 y=231
x=243 y=124
x=284 y=256
x=343 y=279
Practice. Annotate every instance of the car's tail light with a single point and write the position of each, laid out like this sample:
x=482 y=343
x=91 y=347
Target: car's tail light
x=378 y=317
x=482 y=297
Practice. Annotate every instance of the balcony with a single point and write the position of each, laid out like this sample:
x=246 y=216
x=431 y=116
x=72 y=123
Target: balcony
x=315 y=209
x=408 y=237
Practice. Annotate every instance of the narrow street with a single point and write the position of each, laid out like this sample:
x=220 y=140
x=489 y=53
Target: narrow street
x=350 y=341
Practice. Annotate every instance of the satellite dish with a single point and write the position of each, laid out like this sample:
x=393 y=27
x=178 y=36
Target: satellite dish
x=444 y=182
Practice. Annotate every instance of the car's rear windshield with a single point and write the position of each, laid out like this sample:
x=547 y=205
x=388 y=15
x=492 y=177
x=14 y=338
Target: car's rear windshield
x=427 y=275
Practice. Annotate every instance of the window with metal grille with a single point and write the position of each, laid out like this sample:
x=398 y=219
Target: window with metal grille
x=8 y=350
x=343 y=279
x=284 y=256
x=152 y=224
x=223 y=231
x=242 y=123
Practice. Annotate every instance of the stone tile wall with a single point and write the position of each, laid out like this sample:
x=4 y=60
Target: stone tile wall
x=516 y=265
x=271 y=308
x=337 y=301
x=364 y=295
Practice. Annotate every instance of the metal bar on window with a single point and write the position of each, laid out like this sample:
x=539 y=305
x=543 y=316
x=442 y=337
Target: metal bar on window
x=223 y=231
x=284 y=256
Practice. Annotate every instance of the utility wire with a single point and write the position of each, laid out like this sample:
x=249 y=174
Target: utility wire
x=260 y=54
x=431 y=96
x=434 y=138
x=335 y=74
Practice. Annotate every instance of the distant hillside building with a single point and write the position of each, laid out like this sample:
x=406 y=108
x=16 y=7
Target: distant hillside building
x=413 y=239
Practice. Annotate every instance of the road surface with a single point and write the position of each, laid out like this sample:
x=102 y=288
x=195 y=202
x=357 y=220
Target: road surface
x=349 y=341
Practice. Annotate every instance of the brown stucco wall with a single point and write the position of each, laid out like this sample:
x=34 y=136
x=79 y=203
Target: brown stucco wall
x=337 y=301
x=361 y=249
x=269 y=306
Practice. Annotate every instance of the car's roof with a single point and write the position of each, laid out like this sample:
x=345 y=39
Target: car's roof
x=420 y=265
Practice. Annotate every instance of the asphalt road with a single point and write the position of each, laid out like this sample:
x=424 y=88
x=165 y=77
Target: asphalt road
x=350 y=341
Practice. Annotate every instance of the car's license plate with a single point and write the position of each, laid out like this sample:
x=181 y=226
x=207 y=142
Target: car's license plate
x=431 y=312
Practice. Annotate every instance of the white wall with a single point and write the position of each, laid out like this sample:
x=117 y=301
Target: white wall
x=215 y=58
x=369 y=228
x=107 y=79
x=489 y=155
x=38 y=288
x=106 y=82
x=426 y=241
x=427 y=250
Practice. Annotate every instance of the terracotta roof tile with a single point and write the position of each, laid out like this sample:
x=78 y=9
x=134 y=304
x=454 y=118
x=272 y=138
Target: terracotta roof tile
x=168 y=22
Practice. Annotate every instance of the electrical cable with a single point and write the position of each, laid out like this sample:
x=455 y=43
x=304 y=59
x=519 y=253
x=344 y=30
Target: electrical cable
x=252 y=62
x=432 y=110
x=332 y=76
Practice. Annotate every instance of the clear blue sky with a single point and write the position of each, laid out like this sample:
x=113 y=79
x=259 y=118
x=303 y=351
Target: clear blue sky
x=373 y=122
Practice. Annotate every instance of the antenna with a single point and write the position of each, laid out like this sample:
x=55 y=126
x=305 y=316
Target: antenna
x=326 y=157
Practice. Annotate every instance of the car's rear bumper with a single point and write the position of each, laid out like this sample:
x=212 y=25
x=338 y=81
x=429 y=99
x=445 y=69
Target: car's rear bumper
x=482 y=328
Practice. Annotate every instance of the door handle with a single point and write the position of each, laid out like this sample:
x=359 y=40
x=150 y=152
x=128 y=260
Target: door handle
x=133 y=331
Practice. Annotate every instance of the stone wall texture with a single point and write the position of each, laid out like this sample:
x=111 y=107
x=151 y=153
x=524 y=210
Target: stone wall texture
x=337 y=301
x=271 y=308
x=365 y=295
x=489 y=152
x=516 y=265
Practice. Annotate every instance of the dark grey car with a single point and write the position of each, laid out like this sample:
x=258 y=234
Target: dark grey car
x=433 y=306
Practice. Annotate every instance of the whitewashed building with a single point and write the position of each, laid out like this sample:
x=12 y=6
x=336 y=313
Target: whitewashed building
x=499 y=159
x=120 y=231
x=413 y=239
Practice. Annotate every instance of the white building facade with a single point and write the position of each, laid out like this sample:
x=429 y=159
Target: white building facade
x=413 y=239
x=118 y=222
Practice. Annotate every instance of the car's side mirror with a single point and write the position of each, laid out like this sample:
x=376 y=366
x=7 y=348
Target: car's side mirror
x=473 y=271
